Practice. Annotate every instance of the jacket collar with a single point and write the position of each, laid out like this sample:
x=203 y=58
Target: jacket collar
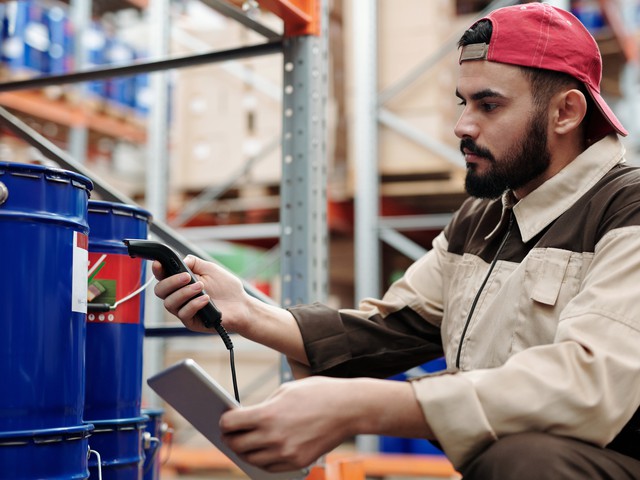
x=554 y=197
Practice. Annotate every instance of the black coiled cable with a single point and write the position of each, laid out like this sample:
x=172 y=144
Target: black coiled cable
x=229 y=344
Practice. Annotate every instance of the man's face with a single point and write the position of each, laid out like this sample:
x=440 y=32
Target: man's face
x=502 y=135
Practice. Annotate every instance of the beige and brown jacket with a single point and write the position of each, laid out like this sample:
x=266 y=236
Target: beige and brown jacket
x=535 y=305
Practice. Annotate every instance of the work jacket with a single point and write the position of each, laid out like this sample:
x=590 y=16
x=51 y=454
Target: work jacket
x=535 y=305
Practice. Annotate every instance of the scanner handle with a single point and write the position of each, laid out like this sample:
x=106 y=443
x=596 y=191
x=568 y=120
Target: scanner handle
x=209 y=315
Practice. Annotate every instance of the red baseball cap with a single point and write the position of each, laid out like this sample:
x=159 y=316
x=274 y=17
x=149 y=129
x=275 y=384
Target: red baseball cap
x=540 y=35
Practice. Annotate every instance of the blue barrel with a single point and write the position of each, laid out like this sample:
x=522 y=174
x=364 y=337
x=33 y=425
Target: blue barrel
x=43 y=251
x=50 y=454
x=413 y=445
x=120 y=445
x=115 y=319
x=154 y=436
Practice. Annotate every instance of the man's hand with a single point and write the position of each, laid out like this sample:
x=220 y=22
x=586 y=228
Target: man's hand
x=307 y=418
x=290 y=430
x=225 y=289
x=269 y=325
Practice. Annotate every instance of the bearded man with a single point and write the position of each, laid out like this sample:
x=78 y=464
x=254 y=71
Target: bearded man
x=530 y=292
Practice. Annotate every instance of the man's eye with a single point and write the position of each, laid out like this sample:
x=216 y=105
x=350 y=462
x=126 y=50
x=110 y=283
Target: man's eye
x=462 y=103
x=488 y=107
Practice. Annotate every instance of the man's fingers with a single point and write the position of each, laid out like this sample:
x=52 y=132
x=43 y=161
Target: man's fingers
x=239 y=420
x=157 y=270
x=192 y=307
x=269 y=460
x=255 y=449
x=169 y=285
x=241 y=430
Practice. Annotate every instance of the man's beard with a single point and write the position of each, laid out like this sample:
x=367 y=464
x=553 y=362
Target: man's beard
x=519 y=165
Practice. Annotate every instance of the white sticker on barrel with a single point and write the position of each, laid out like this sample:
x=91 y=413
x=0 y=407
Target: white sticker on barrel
x=80 y=269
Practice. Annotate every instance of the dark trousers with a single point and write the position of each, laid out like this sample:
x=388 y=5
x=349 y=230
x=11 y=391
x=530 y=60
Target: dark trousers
x=539 y=456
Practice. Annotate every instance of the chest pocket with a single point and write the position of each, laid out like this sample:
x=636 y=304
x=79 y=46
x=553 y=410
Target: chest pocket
x=551 y=276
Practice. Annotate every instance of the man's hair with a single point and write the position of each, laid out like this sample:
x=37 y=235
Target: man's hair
x=544 y=83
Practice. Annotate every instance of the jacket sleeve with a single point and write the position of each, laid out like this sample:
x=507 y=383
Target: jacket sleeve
x=383 y=337
x=584 y=385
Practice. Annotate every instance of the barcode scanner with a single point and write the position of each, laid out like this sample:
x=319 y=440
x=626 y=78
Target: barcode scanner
x=172 y=264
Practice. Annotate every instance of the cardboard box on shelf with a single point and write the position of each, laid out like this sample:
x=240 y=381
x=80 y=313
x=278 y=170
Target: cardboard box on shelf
x=263 y=107
x=203 y=29
x=402 y=156
x=409 y=38
x=227 y=113
x=262 y=140
x=209 y=127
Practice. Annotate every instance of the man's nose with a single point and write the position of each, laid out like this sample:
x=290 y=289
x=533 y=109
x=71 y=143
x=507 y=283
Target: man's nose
x=466 y=126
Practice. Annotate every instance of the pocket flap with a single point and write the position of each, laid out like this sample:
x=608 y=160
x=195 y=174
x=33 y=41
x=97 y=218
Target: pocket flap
x=551 y=276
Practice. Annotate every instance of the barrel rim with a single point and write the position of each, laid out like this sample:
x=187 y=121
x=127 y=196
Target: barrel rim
x=150 y=411
x=84 y=181
x=119 y=422
x=102 y=206
x=85 y=428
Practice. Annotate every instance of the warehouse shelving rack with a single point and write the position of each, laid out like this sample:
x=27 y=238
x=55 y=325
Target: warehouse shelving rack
x=303 y=229
x=303 y=226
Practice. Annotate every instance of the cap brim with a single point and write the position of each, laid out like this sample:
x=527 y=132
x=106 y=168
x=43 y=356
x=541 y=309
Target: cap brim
x=608 y=122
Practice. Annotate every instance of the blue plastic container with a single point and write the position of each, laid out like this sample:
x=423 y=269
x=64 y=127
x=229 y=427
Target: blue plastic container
x=119 y=443
x=413 y=445
x=115 y=337
x=143 y=97
x=43 y=250
x=94 y=42
x=36 y=39
x=121 y=90
x=154 y=438
x=53 y=454
x=417 y=446
x=60 y=51
x=590 y=14
x=14 y=21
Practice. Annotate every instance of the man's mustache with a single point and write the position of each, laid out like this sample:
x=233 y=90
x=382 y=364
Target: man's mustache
x=470 y=146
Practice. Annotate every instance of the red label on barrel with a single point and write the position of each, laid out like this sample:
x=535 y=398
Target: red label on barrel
x=112 y=278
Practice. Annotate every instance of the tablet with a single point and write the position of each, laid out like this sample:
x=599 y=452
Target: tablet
x=201 y=400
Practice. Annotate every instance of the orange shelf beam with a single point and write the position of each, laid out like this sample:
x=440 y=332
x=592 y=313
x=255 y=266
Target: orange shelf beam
x=301 y=17
x=383 y=465
x=66 y=113
x=338 y=465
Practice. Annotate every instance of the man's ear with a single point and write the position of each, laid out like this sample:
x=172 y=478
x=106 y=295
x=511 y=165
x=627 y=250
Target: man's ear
x=569 y=109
